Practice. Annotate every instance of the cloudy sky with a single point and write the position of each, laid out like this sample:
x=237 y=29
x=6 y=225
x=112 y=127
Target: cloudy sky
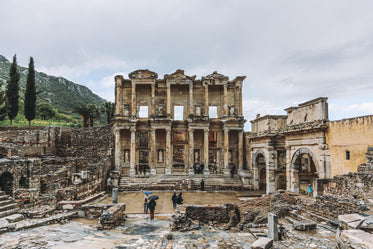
x=290 y=50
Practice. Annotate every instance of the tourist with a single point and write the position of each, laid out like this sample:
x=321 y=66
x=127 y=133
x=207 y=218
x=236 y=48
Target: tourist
x=146 y=204
x=202 y=185
x=174 y=200
x=310 y=190
x=151 y=206
x=233 y=169
x=180 y=199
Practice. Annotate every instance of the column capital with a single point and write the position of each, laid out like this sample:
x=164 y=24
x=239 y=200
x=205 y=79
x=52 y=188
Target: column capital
x=206 y=129
x=168 y=129
x=226 y=129
x=191 y=129
x=133 y=129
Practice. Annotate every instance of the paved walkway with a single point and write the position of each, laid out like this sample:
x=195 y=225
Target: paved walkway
x=135 y=200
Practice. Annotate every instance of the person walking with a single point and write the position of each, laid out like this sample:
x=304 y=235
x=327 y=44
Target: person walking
x=310 y=190
x=146 y=204
x=202 y=185
x=233 y=169
x=174 y=200
x=152 y=205
x=179 y=199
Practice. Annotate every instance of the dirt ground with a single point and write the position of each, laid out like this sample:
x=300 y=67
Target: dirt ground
x=135 y=200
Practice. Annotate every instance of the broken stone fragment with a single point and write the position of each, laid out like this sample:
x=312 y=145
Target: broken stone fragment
x=304 y=225
x=262 y=243
x=14 y=218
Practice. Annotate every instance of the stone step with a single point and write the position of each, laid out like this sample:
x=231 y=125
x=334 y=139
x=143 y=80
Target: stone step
x=8 y=207
x=5 y=202
x=8 y=212
x=4 y=197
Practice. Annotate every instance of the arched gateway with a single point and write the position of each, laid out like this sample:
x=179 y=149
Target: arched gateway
x=6 y=183
x=260 y=170
x=303 y=170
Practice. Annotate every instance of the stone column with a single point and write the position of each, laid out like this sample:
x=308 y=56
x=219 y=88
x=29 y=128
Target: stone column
x=168 y=152
x=133 y=100
x=206 y=148
x=117 y=158
x=191 y=98
x=255 y=171
x=115 y=195
x=153 y=100
x=240 y=149
x=226 y=150
x=153 y=152
x=191 y=150
x=240 y=100
x=133 y=152
x=272 y=226
x=168 y=100
x=225 y=93
x=288 y=171
x=206 y=99
x=270 y=171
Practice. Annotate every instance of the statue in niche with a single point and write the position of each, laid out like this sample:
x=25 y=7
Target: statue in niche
x=126 y=156
x=160 y=156
x=231 y=111
x=198 y=110
x=160 y=110
x=126 y=110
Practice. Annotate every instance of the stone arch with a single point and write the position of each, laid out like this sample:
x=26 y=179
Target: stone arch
x=260 y=160
x=303 y=169
x=7 y=182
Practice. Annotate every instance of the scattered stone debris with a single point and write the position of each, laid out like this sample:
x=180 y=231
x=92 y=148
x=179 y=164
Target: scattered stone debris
x=112 y=217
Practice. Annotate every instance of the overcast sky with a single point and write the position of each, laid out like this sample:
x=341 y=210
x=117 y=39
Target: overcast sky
x=290 y=51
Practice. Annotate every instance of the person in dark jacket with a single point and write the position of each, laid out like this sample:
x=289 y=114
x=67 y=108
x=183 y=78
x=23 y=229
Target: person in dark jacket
x=174 y=200
x=180 y=199
x=151 y=206
x=202 y=185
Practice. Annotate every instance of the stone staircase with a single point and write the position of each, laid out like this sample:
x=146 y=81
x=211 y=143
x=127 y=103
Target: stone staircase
x=7 y=205
x=181 y=182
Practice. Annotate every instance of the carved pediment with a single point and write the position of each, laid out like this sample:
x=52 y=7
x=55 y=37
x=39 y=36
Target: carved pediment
x=215 y=75
x=179 y=75
x=143 y=74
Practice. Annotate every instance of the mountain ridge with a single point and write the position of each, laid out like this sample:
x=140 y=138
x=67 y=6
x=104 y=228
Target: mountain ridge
x=60 y=92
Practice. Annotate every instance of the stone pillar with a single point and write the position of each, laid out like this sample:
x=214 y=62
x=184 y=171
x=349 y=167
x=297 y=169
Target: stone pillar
x=168 y=152
x=206 y=99
x=168 y=106
x=191 y=148
x=206 y=148
x=240 y=100
x=117 y=158
x=270 y=172
x=115 y=195
x=133 y=100
x=288 y=170
x=153 y=150
x=225 y=93
x=153 y=100
x=273 y=226
x=294 y=178
x=240 y=149
x=226 y=150
x=191 y=98
x=133 y=151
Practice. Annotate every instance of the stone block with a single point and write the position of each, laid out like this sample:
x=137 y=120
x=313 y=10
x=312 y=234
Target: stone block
x=355 y=239
x=115 y=195
x=352 y=220
x=272 y=226
x=68 y=207
x=262 y=243
x=14 y=218
x=304 y=225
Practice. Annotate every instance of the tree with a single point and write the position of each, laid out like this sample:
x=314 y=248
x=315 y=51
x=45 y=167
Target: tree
x=12 y=91
x=30 y=94
x=84 y=112
x=109 y=108
x=46 y=111
x=94 y=113
x=3 y=105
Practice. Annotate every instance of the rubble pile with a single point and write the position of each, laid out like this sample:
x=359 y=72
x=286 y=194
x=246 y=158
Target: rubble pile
x=112 y=217
x=356 y=185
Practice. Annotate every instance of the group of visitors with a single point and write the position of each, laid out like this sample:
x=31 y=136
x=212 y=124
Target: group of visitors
x=142 y=169
x=198 y=169
x=149 y=205
x=177 y=199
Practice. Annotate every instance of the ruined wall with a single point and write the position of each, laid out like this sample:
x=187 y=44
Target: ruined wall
x=354 y=135
x=268 y=123
x=310 y=111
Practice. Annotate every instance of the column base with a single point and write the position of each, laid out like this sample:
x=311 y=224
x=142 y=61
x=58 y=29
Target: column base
x=168 y=172
x=191 y=171
x=153 y=172
x=132 y=172
x=206 y=172
x=226 y=171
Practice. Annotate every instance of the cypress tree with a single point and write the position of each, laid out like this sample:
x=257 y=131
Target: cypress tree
x=3 y=109
x=12 y=91
x=30 y=94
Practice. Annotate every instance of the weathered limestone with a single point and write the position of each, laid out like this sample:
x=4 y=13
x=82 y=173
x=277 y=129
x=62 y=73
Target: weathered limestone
x=262 y=243
x=272 y=226
x=115 y=195
x=178 y=131
x=304 y=225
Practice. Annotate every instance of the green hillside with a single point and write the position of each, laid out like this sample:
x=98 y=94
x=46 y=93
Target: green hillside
x=61 y=93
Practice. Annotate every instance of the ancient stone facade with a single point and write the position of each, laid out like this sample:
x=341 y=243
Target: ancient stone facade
x=176 y=124
x=303 y=147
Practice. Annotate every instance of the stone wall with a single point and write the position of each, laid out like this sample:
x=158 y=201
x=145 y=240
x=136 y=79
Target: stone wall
x=207 y=213
x=352 y=136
